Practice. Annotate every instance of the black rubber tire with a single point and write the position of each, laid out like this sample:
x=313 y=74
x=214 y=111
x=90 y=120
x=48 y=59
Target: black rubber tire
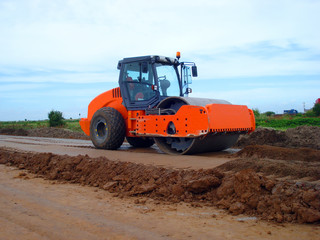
x=140 y=142
x=107 y=129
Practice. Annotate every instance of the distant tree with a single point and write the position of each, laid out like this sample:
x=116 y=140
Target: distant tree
x=269 y=113
x=310 y=113
x=256 y=112
x=55 y=119
x=316 y=109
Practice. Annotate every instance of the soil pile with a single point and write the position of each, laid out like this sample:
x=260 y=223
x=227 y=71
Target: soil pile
x=244 y=191
x=303 y=136
x=279 y=153
x=279 y=162
x=15 y=132
x=45 y=132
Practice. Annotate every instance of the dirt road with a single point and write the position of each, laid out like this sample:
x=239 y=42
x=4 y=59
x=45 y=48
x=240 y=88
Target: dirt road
x=148 y=156
x=33 y=208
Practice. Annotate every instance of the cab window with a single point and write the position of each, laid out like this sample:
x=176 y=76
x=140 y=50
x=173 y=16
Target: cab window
x=138 y=78
x=168 y=80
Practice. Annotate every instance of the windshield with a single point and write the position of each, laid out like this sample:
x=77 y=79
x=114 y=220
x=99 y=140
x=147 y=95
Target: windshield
x=168 y=80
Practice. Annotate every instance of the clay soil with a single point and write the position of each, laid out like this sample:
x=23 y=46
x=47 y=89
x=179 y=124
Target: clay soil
x=274 y=178
x=35 y=208
x=245 y=190
x=303 y=136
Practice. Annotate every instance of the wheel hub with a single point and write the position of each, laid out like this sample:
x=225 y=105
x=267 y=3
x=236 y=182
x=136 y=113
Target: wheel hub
x=101 y=129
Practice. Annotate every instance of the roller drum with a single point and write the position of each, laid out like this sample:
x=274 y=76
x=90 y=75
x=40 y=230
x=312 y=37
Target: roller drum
x=208 y=143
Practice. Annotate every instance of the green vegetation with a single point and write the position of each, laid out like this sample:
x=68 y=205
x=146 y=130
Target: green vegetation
x=72 y=124
x=56 y=119
x=256 y=112
x=283 y=122
x=316 y=109
x=269 y=113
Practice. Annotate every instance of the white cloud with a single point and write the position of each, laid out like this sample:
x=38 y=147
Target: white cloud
x=240 y=65
x=79 y=41
x=94 y=32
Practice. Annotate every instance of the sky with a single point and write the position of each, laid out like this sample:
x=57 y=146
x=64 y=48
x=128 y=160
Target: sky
x=60 y=54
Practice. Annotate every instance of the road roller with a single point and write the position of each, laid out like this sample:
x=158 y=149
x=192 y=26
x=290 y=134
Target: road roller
x=152 y=106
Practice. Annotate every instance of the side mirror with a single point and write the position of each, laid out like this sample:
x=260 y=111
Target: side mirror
x=119 y=65
x=194 y=71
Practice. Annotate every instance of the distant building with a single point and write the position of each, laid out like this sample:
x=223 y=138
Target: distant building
x=290 y=112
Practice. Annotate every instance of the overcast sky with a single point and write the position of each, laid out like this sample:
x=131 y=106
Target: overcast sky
x=60 y=54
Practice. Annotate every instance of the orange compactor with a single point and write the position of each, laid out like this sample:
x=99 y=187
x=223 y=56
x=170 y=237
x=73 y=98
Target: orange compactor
x=151 y=105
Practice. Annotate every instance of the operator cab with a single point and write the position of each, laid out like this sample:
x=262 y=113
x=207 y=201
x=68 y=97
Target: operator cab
x=145 y=81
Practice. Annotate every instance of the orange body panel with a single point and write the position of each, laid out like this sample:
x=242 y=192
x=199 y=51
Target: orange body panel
x=194 y=121
x=111 y=98
x=85 y=125
x=131 y=123
x=189 y=121
x=230 y=118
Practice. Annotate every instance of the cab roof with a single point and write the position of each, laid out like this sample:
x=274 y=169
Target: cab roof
x=149 y=58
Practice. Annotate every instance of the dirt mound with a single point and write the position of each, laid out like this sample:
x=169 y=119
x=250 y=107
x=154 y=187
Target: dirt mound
x=56 y=133
x=303 y=136
x=280 y=153
x=12 y=131
x=295 y=164
x=45 y=132
x=247 y=192
x=241 y=192
x=262 y=136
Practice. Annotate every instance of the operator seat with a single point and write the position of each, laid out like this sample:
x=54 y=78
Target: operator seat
x=164 y=85
x=135 y=90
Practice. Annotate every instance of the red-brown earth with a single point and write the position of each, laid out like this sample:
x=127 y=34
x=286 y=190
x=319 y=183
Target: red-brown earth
x=274 y=177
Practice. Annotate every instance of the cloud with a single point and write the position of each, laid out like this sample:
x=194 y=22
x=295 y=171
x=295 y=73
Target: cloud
x=94 y=33
x=77 y=42
x=265 y=58
x=274 y=93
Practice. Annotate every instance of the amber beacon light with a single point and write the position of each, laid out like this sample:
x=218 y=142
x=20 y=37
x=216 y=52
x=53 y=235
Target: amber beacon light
x=178 y=55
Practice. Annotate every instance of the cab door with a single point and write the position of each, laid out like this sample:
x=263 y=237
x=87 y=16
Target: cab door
x=137 y=84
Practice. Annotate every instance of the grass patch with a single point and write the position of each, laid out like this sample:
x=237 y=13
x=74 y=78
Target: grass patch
x=284 y=122
x=72 y=124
